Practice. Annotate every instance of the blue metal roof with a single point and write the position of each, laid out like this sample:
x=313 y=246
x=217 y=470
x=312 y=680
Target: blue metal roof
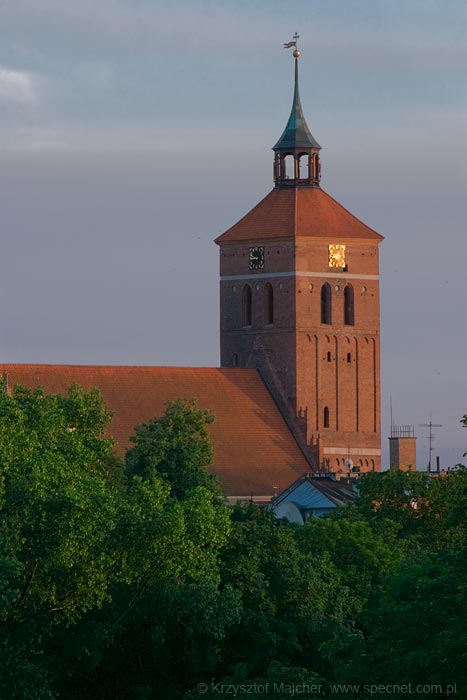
x=312 y=491
x=306 y=495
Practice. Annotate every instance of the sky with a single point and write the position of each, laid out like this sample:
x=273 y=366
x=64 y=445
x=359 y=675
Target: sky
x=133 y=132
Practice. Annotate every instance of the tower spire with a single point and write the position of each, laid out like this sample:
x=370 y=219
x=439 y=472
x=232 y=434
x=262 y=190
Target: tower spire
x=296 y=143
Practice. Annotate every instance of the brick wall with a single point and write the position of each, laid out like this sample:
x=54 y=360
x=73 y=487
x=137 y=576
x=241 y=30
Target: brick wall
x=309 y=366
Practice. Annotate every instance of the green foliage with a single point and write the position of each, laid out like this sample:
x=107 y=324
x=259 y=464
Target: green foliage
x=293 y=598
x=395 y=499
x=424 y=510
x=413 y=630
x=416 y=631
x=424 y=602
x=142 y=585
x=92 y=564
x=57 y=505
x=363 y=557
x=167 y=616
x=56 y=520
x=165 y=622
x=175 y=446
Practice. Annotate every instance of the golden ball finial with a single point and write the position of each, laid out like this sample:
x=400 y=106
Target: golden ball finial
x=296 y=53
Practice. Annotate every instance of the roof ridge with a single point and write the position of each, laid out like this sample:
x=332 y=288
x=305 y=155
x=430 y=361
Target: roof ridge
x=52 y=365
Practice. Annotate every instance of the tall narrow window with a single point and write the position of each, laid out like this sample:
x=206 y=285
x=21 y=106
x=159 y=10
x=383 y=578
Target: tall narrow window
x=303 y=166
x=289 y=164
x=326 y=417
x=269 y=304
x=326 y=314
x=246 y=306
x=349 y=313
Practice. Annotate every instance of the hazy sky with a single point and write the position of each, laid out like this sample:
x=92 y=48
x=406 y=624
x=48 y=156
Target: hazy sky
x=133 y=132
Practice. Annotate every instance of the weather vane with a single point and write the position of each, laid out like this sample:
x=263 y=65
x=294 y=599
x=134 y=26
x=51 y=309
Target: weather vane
x=289 y=44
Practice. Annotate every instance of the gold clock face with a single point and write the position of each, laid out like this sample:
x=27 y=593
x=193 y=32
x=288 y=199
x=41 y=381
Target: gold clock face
x=337 y=256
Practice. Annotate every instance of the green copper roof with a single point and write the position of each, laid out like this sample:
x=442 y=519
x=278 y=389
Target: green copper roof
x=296 y=134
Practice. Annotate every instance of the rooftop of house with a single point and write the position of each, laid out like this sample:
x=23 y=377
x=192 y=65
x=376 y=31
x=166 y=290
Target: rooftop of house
x=311 y=490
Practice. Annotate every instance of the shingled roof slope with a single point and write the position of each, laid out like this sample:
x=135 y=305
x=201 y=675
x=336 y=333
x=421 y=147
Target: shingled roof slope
x=254 y=451
x=298 y=211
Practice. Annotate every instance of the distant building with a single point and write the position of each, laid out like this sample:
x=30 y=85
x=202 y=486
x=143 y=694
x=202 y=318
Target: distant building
x=403 y=448
x=312 y=495
x=299 y=385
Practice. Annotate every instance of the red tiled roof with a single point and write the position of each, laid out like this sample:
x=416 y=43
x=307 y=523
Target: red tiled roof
x=300 y=211
x=254 y=451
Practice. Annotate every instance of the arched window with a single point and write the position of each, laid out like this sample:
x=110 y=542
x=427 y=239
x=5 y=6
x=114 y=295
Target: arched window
x=246 y=306
x=326 y=417
x=329 y=356
x=235 y=360
x=314 y=168
x=326 y=313
x=303 y=166
x=289 y=167
x=349 y=314
x=349 y=357
x=269 y=304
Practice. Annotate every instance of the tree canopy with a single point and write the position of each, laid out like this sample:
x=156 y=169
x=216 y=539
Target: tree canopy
x=84 y=552
x=176 y=446
x=132 y=580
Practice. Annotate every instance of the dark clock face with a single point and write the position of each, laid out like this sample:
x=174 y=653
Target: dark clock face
x=256 y=258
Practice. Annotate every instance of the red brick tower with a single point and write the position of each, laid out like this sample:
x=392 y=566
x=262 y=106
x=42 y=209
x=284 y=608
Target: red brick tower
x=300 y=302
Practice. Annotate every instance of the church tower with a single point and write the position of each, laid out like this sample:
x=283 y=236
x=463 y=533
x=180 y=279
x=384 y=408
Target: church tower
x=300 y=302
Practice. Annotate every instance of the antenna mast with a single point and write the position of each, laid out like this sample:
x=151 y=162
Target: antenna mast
x=431 y=437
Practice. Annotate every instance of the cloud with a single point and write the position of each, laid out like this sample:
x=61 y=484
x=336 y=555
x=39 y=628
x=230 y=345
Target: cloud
x=16 y=85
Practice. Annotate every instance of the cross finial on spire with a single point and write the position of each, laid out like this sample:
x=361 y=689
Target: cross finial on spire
x=289 y=44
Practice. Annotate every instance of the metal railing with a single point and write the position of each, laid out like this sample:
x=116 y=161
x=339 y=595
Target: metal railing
x=402 y=431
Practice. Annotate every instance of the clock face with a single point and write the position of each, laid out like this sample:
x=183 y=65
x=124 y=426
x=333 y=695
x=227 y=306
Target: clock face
x=337 y=256
x=256 y=258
